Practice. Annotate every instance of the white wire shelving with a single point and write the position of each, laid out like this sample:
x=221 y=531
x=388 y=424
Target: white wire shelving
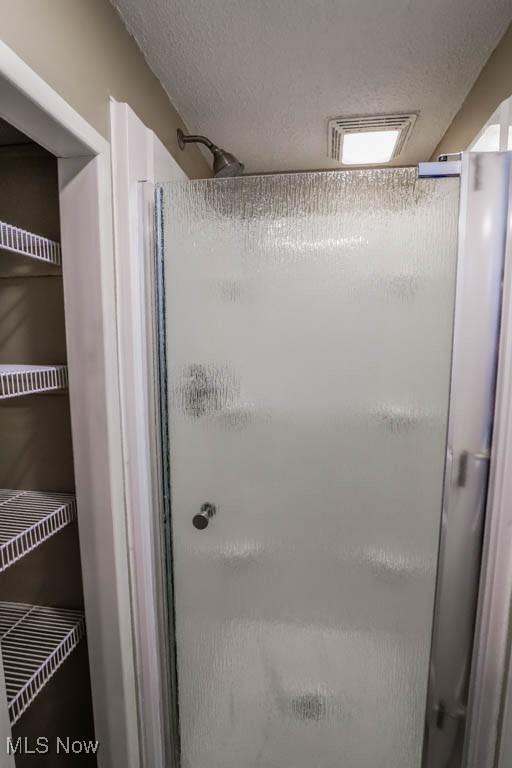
x=26 y=243
x=16 y=380
x=28 y=518
x=35 y=641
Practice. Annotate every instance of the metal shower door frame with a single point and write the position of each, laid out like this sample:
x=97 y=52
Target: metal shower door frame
x=483 y=215
x=480 y=260
x=159 y=438
x=489 y=742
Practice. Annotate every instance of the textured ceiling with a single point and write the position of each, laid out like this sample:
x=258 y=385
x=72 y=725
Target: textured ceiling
x=261 y=77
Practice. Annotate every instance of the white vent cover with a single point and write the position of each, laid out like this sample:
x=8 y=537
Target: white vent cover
x=339 y=126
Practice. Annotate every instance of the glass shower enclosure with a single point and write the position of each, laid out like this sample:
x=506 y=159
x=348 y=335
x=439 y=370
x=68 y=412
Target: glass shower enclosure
x=327 y=360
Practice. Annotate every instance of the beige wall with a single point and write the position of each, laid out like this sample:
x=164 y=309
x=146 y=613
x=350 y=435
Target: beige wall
x=493 y=85
x=83 y=50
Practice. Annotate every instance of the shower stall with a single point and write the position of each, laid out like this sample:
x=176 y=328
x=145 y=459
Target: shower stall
x=327 y=347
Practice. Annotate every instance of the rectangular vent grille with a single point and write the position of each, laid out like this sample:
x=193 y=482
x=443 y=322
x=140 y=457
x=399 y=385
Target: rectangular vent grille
x=339 y=126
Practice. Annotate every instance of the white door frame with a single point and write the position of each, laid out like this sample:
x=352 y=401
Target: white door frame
x=138 y=156
x=32 y=106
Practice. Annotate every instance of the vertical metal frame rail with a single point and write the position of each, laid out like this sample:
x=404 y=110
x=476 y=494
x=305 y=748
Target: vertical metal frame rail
x=489 y=741
x=480 y=263
x=162 y=481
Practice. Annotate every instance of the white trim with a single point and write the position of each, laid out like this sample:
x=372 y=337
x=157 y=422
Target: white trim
x=89 y=290
x=137 y=156
x=33 y=107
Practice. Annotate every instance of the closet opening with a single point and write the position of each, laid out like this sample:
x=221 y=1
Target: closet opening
x=42 y=622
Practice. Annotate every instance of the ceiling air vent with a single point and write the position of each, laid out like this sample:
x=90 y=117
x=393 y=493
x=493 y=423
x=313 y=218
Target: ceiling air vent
x=381 y=138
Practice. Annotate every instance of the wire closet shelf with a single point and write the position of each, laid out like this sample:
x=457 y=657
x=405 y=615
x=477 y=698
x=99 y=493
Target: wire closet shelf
x=35 y=642
x=26 y=243
x=28 y=518
x=16 y=380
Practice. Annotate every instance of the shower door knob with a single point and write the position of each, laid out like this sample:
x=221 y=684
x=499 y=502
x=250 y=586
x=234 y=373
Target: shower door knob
x=201 y=520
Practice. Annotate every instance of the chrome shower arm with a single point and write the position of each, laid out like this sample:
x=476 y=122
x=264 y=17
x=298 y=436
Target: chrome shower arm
x=188 y=139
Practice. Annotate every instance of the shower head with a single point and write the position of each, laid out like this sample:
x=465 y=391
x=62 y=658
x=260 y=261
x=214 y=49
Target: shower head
x=224 y=163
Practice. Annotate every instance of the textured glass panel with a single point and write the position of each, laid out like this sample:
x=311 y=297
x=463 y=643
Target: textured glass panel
x=309 y=321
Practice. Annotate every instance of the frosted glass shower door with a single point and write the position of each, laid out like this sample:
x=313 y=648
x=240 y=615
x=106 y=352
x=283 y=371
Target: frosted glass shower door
x=309 y=326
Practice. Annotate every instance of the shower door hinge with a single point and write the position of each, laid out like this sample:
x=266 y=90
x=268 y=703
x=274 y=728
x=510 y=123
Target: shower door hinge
x=441 y=713
x=439 y=169
x=464 y=457
x=449 y=156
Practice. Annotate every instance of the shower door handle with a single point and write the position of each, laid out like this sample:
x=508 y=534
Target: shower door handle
x=201 y=520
